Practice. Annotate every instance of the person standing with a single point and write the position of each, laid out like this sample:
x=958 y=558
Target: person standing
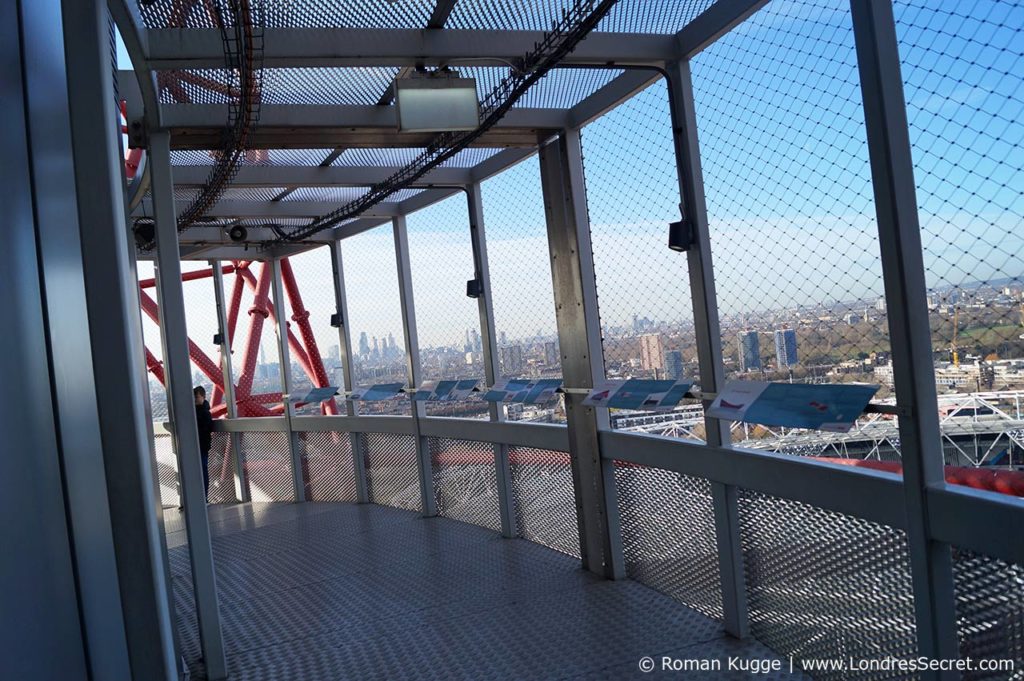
x=204 y=421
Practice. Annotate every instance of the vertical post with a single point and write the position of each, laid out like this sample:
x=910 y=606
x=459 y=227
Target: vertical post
x=296 y=447
x=348 y=369
x=413 y=358
x=241 y=483
x=579 y=336
x=709 y=339
x=485 y=306
x=903 y=273
x=180 y=402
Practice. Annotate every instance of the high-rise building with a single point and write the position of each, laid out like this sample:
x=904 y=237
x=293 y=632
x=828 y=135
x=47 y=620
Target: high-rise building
x=334 y=352
x=551 y=353
x=478 y=344
x=503 y=338
x=785 y=347
x=750 y=351
x=364 y=344
x=512 y=359
x=652 y=352
x=880 y=305
x=673 y=365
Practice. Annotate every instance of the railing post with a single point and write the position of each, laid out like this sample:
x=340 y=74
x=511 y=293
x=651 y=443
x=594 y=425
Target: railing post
x=413 y=359
x=296 y=446
x=903 y=273
x=181 y=402
x=579 y=336
x=241 y=483
x=348 y=369
x=708 y=338
x=477 y=233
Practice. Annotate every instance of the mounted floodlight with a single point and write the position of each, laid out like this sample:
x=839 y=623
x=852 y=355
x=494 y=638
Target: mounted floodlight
x=437 y=102
x=680 y=236
x=474 y=289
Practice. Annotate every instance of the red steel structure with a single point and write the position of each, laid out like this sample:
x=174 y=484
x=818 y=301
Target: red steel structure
x=303 y=347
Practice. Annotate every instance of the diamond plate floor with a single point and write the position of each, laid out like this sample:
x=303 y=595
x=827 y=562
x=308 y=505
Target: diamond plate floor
x=341 y=591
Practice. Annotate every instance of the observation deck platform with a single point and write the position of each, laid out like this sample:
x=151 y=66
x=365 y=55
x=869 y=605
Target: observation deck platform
x=322 y=591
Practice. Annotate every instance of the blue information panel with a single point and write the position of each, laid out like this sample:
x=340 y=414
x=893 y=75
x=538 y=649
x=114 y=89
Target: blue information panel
x=639 y=393
x=378 y=391
x=830 y=407
x=320 y=394
x=523 y=390
x=445 y=391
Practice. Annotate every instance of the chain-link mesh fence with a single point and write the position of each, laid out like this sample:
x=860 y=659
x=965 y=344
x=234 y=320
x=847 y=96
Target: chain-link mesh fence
x=311 y=302
x=668 y=534
x=963 y=72
x=221 y=469
x=990 y=610
x=521 y=290
x=465 y=481
x=375 y=315
x=643 y=287
x=392 y=473
x=447 y=320
x=788 y=185
x=330 y=466
x=543 y=499
x=823 y=585
x=268 y=466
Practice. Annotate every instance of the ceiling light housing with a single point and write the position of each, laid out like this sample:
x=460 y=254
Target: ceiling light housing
x=437 y=102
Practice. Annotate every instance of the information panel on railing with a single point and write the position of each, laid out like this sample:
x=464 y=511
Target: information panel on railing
x=446 y=391
x=378 y=391
x=315 y=395
x=524 y=391
x=639 y=393
x=828 y=407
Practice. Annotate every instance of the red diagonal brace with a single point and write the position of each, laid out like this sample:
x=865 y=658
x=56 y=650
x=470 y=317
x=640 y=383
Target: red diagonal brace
x=199 y=358
x=301 y=317
x=257 y=314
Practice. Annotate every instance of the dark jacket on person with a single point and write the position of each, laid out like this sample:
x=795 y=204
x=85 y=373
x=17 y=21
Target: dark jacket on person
x=204 y=419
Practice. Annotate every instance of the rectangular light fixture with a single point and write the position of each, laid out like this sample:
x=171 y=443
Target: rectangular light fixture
x=436 y=104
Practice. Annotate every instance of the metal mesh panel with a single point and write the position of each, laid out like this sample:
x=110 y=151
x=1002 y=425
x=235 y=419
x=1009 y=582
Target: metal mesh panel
x=392 y=474
x=447 y=321
x=343 y=194
x=790 y=203
x=559 y=89
x=668 y=534
x=348 y=14
x=268 y=466
x=221 y=469
x=314 y=280
x=544 y=502
x=823 y=585
x=375 y=315
x=399 y=157
x=166 y=468
x=642 y=286
x=512 y=16
x=521 y=290
x=465 y=482
x=330 y=469
x=652 y=16
x=306 y=86
x=990 y=610
x=963 y=69
x=253 y=157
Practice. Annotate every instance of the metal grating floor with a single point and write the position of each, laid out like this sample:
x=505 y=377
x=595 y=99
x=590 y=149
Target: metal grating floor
x=344 y=591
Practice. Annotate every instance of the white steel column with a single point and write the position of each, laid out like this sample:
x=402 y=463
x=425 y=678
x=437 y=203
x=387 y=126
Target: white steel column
x=348 y=369
x=177 y=367
x=241 y=483
x=413 y=358
x=903 y=272
x=579 y=336
x=709 y=338
x=296 y=446
x=490 y=345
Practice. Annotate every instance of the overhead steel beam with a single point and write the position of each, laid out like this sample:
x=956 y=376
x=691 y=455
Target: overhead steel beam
x=442 y=10
x=712 y=24
x=311 y=47
x=311 y=137
x=272 y=209
x=189 y=117
x=316 y=176
x=611 y=95
x=499 y=162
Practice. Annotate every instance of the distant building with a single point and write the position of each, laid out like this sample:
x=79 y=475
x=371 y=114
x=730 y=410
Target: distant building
x=750 y=351
x=673 y=365
x=512 y=359
x=334 y=352
x=652 y=352
x=364 y=344
x=785 y=348
x=852 y=318
x=503 y=338
x=551 y=353
x=880 y=305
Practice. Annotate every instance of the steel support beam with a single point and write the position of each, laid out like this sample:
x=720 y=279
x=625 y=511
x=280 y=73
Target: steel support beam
x=272 y=209
x=348 y=368
x=296 y=446
x=241 y=481
x=442 y=10
x=903 y=274
x=711 y=24
x=492 y=372
x=708 y=337
x=313 y=47
x=412 y=355
x=316 y=176
x=579 y=336
x=184 y=430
